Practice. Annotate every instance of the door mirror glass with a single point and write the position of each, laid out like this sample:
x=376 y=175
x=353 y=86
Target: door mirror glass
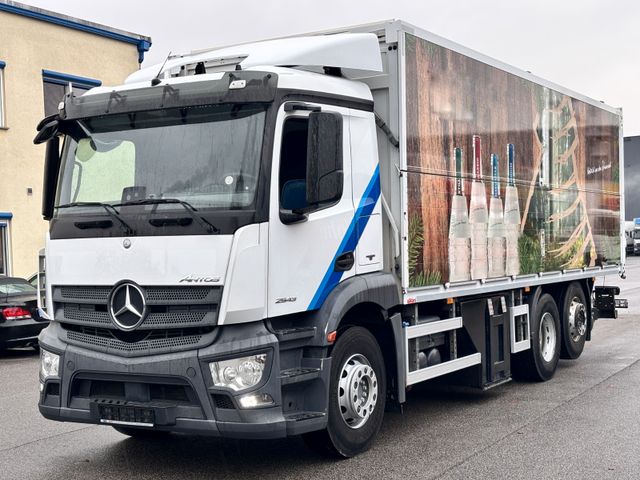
x=324 y=159
x=47 y=132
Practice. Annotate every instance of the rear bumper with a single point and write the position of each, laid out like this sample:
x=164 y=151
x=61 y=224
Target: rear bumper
x=18 y=333
x=71 y=396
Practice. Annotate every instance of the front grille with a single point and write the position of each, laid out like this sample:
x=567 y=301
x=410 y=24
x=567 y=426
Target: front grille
x=177 y=318
x=154 y=295
x=156 y=341
x=96 y=294
x=178 y=294
x=223 y=401
x=96 y=388
x=90 y=316
x=72 y=311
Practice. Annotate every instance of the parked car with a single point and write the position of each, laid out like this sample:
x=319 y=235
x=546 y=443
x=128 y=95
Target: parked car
x=20 y=322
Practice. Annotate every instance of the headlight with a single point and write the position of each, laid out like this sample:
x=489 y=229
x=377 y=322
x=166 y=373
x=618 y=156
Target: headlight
x=238 y=373
x=49 y=363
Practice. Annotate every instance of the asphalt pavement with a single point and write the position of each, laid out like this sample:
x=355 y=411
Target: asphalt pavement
x=583 y=424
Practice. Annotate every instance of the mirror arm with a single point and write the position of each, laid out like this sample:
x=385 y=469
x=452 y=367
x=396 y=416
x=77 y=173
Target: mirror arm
x=301 y=106
x=289 y=218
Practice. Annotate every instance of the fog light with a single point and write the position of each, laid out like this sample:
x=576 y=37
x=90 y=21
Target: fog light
x=255 y=400
x=49 y=363
x=238 y=373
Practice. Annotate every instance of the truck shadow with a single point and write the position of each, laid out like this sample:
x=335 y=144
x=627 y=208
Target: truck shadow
x=18 y=353
x=180 y=456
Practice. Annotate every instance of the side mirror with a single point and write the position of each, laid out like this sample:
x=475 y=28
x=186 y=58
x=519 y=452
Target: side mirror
x=47 y=129
x=51 y=171
x=324 y=158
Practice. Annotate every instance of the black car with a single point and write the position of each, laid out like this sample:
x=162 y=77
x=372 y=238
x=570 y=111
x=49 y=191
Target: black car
x=20 y=322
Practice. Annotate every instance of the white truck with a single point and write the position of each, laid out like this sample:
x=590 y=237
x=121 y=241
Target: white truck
x=279 y=238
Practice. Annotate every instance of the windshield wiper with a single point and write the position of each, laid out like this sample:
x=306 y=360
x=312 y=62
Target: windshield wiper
x=191 y=210
x=113 y=213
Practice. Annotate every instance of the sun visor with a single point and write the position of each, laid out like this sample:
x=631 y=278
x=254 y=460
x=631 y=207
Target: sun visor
x=233 y=87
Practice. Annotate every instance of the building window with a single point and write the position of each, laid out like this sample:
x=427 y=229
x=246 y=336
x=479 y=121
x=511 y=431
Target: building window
x=56 y=85
x=5 y=252
x=2 y=110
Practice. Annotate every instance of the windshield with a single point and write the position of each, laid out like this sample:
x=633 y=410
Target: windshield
x=207 y=156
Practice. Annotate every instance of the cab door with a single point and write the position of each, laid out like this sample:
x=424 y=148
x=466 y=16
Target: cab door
x=310 y=248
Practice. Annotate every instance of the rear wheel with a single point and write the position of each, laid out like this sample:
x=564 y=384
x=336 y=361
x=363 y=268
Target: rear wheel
x=356 y=397
x=574 y=322
x=142 y=433
x=540 y=361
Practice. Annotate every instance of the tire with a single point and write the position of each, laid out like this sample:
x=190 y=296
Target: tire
x=142 y=433
x=356 y=356
x=574 y=322
x=540 y=361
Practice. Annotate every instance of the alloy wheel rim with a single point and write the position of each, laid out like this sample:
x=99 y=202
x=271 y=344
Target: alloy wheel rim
x=357 y=391
x=547 y=337
x=577 y=320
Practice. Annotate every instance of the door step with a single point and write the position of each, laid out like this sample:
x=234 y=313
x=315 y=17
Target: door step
x=302 y=422
x=289 y=334
x=302 y=416
x=299 y=374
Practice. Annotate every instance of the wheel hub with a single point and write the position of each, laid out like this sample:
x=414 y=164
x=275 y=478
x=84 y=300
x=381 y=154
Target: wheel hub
x=357 y=391
x=577 y=320
x=547 y=337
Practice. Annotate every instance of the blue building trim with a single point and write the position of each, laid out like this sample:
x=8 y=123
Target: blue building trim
x=2 y=64
x=142 y=44
x=6 y=215
x=65 y=79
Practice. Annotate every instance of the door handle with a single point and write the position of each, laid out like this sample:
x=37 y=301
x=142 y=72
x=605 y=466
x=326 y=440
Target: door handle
x=344 y=262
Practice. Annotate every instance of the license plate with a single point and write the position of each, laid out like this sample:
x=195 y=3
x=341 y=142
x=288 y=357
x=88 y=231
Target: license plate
x=622 y=303
x=126 y=415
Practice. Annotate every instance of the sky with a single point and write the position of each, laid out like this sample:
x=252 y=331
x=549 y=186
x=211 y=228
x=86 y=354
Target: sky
x=589 y=46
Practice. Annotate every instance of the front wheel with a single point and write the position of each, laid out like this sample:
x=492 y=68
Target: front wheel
x=357 y=395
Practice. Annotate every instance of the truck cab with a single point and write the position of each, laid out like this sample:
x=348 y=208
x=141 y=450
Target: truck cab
x=195 y=221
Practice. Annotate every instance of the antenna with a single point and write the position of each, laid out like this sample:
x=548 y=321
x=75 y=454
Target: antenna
x=156 y=80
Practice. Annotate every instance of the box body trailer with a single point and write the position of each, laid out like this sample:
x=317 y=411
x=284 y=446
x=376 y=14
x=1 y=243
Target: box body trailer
x=243 y=248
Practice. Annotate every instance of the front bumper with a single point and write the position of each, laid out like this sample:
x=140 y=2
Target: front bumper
x=87 y=378
x=18 y=333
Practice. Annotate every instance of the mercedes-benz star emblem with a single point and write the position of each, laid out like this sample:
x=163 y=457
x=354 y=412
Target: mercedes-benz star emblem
x=127 y=306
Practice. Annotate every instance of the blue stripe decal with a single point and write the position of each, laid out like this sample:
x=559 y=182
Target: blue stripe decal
x=350 y=240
